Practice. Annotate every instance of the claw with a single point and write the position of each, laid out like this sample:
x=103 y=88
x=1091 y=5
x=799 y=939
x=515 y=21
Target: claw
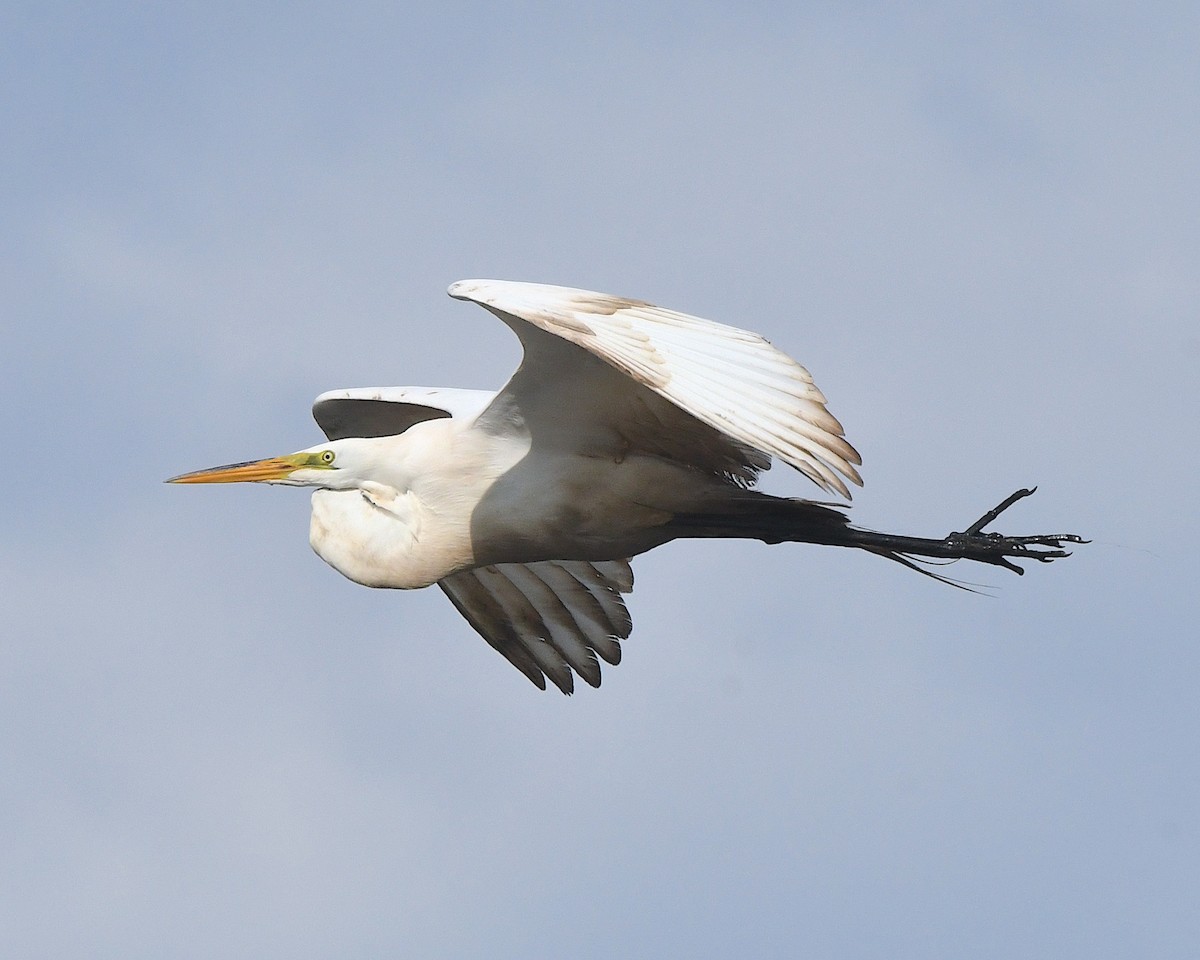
x=971 y=544
x=997 y=549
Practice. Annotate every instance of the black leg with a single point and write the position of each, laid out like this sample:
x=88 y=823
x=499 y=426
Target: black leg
x=973 y=543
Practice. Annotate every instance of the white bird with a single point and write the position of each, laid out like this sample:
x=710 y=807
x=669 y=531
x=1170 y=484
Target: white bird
x=625 y=426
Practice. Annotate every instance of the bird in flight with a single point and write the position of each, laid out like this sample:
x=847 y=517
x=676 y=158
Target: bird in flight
x=626 y=426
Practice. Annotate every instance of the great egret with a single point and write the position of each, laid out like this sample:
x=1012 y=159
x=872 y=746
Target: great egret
x=625 y=426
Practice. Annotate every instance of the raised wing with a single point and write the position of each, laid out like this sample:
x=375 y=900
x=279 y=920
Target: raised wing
x=387 y=411
x=732 y=381
x=548 y=618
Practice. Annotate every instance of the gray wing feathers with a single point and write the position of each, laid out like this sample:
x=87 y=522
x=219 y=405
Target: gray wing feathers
x=548 y=618
x=388 y=411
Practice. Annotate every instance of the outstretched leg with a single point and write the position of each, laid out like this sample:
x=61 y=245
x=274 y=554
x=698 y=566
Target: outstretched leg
x=778 y=520
x=970 y=544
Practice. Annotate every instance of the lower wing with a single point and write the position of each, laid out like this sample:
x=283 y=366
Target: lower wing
x=548 y=618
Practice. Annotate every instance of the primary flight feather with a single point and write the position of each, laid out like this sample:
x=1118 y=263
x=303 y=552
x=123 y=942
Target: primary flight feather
x=625 y=426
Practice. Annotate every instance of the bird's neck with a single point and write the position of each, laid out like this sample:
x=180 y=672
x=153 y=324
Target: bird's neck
x=380 y=537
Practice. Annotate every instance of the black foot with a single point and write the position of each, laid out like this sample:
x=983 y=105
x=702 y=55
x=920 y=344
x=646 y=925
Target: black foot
x=997 y=549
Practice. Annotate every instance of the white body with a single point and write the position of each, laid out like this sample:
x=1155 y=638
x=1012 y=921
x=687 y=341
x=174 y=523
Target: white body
x=416 y=522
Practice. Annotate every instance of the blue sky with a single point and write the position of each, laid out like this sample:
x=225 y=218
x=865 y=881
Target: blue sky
x=978 y=227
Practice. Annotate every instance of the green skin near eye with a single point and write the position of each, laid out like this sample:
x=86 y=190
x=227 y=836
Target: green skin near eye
x=314 y=461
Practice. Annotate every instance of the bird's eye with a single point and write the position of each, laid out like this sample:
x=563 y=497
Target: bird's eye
x=327 y=457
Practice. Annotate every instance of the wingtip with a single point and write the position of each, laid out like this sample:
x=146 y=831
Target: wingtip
x=470 y=289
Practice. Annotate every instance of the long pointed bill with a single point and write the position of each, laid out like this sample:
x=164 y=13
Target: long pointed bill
x=273 y=468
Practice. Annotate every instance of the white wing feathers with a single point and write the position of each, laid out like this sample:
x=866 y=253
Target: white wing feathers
x=730 y=379
x=548 y=618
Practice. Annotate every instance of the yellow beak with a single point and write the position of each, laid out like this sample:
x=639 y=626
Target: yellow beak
x=273 y=468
